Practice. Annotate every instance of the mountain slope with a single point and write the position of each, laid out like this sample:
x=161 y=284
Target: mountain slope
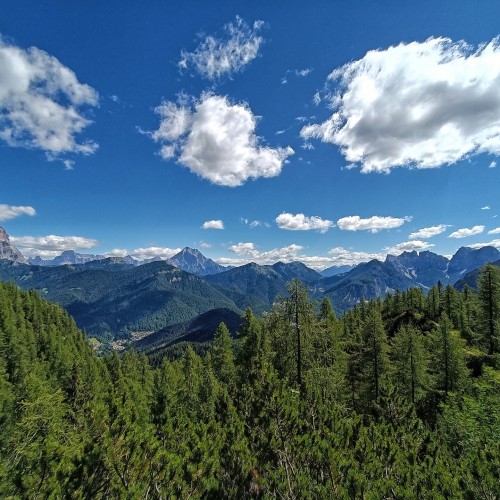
x=470 y=278
x=467 y=259
x=110 y=302
x=258 y=286
x=368 y=280
x=199 y=329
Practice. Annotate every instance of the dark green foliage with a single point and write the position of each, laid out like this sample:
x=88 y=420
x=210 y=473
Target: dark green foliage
x=410 y=363
x=375 y=404
x=489 y=302
x=112 y=302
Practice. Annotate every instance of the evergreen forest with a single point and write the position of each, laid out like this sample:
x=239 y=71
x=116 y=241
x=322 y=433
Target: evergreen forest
x=397 y=398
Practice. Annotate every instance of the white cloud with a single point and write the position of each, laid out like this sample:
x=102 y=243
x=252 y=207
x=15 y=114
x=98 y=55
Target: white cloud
x=420 y=105
x=301 y=73
x=254 y=223
x=409 y=246
x=144 y=253
x=344 y=257
x=217 y=140
x=204 y=244
x=53 y=242
x=117 y=252
x=8 y=212
x=486 y=207
x=52 y=245
x=217 y=57
x=248 y=252
x=495 y=231
x=317 y=98
x=213 y=224
x=151 y=252
x=243 y=249
x=299 y=222
x=492 y=243
x=465 y=232
x=493 y=164
x=428 y=232
x=41 y=101
x=259 y=223
x=372 y=224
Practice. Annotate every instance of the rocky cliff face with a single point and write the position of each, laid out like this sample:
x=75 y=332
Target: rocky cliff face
x=9 y=251
x=193 y=261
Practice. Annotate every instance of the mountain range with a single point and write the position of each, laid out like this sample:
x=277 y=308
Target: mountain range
x=114 y=297
x=110 y=299
x=188 y=259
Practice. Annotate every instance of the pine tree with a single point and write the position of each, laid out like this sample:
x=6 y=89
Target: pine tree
x=447 y=358
x=489 y=301
x=223 y=356
x=410 y=363
x=375 y=348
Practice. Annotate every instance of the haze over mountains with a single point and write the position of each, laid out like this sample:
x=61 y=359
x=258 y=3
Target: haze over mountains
x=114 y=297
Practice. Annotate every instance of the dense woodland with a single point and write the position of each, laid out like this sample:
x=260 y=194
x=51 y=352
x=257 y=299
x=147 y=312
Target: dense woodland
x=398 y=398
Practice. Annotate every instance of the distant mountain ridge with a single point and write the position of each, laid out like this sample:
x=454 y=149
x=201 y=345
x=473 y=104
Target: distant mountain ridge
x=113 y=296
x=255 y=286
x=111 y=299
x=188 y=259
x=194 y=262
x=410 y=269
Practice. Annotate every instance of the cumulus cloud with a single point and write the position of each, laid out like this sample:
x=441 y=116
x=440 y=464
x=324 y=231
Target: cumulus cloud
x=372 y=224
x=217 y=57
x=495 y=231
x=213 y=224
x=465 y=232
x=52 y=245
x=492 y=243
x=8 y=212
x=409 y=246
x=216 y=139
x=41 y=102
x=493 y=164
x=299 y=222
x=344 y=257
x=486 y=207
x=53 y=242
x=428 y=232
x=248 y=252
x=151 y=252
x=144 y=253
x=421 y=104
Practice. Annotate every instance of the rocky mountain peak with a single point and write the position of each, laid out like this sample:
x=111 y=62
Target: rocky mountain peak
x=193 y=261
x=9 y=251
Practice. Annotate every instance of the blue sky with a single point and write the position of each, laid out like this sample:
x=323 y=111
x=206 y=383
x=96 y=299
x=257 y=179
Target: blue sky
x=254 y=131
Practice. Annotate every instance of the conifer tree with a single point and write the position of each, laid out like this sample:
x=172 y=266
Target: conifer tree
x=489 y=301
x=410 y=363
x=375 y=348
x=447 y=358
x=223 y=356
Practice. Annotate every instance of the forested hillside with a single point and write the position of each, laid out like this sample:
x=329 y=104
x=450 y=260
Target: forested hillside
x=396 y=399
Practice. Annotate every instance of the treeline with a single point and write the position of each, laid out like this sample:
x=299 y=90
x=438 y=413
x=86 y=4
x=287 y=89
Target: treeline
x=398 y=398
